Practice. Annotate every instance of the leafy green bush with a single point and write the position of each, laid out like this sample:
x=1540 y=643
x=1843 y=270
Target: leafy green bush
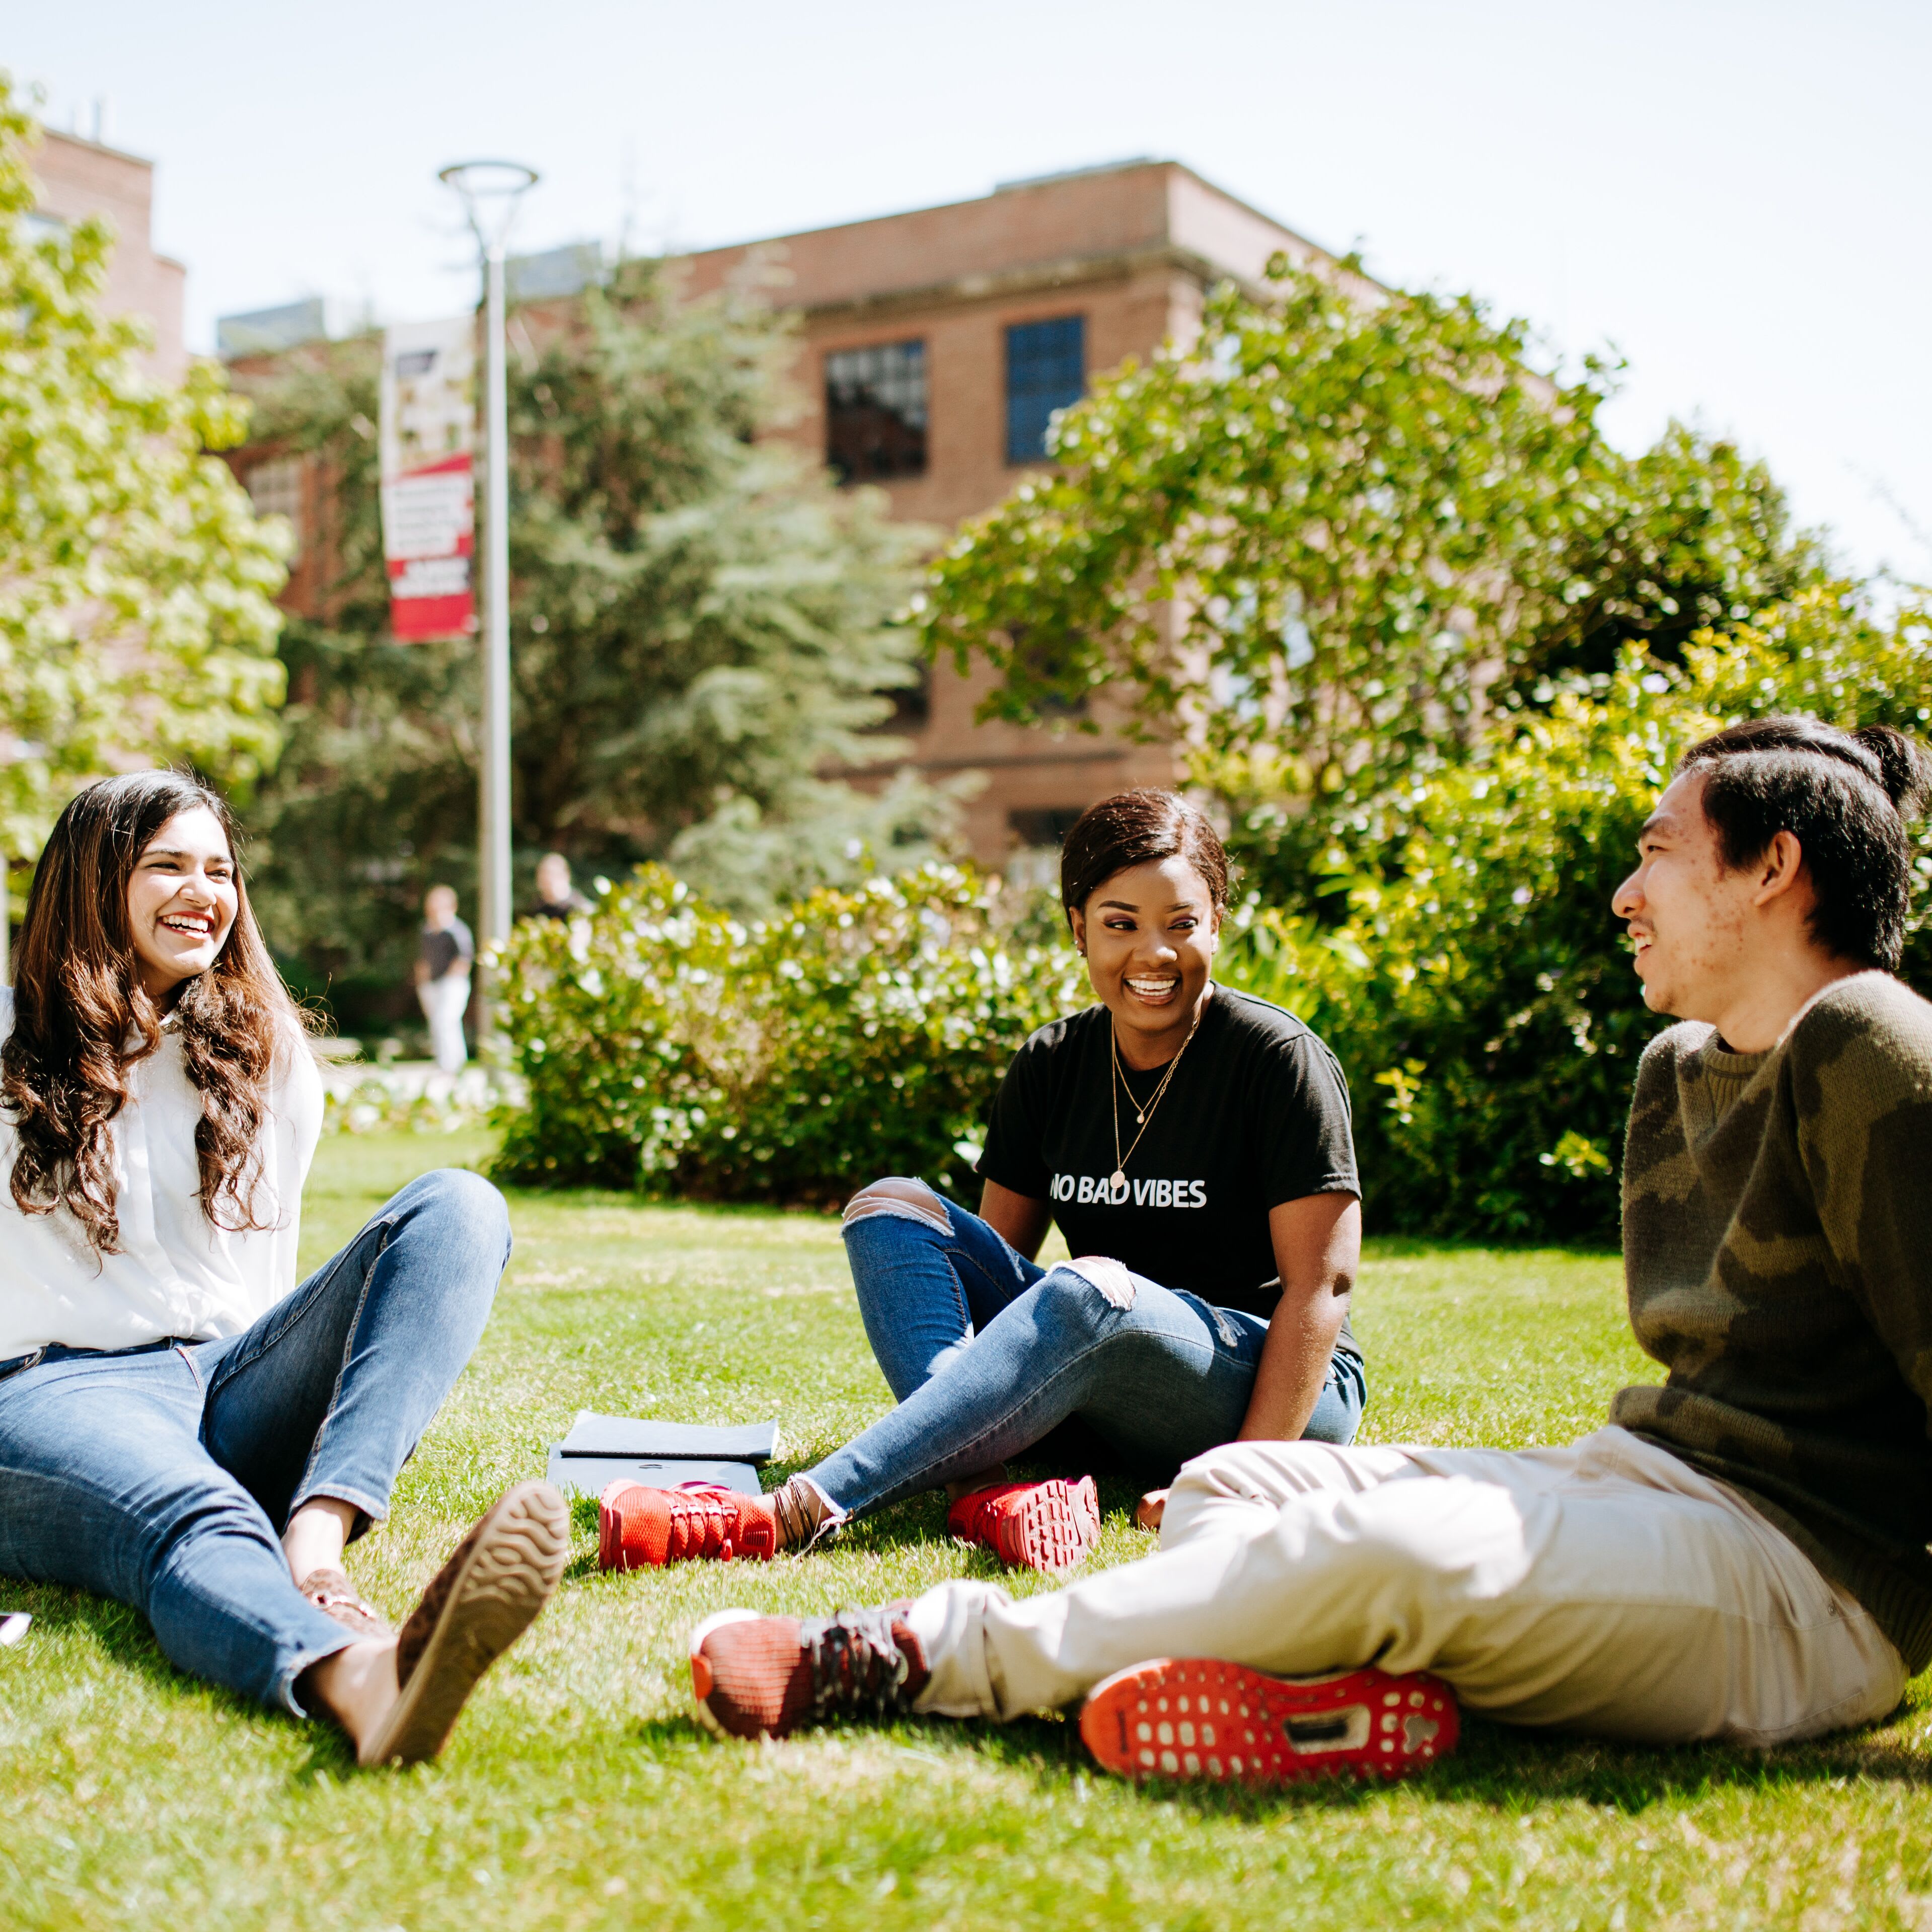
x=1477 y=987
x=1452 y=940
x=668 y=1047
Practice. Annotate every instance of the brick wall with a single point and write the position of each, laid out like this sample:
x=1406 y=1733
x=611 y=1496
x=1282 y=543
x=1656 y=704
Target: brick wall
x=1132 y=250
x=75 y=178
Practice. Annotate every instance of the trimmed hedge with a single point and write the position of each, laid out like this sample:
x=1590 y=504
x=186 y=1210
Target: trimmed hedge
x=1452 y=940
x=669 y=1048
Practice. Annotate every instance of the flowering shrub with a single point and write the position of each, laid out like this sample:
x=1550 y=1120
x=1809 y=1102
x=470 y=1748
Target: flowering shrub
x=1478 y=989
x=669 y=1047
x=1475 y=984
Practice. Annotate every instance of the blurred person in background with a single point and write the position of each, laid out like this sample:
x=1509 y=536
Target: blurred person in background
x=443 y=977
x=556 y=897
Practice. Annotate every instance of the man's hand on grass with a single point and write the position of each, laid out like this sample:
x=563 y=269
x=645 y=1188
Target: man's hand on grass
x=1152 y=1507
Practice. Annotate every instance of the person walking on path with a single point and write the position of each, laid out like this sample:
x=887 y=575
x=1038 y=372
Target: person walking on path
x=1741 y=1553
x=184 y=1426
x=1195 y=1145
x=443 y=962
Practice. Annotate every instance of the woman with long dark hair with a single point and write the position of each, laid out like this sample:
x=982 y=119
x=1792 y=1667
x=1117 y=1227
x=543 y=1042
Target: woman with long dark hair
x=1194 y=1145
x=183 y=1425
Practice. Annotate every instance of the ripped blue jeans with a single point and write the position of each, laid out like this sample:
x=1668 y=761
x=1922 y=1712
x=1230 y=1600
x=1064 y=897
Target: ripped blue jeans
x=164 y=1474
x=987 y=1352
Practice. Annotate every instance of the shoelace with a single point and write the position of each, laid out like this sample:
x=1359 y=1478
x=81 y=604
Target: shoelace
x=798 y=1520
x=703 y=1520
x=856 y=1663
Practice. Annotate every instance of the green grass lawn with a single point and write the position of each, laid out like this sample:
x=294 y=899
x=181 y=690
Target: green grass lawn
x=578 y=1791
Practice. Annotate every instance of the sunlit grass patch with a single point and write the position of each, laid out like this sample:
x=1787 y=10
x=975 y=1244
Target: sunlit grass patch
x=577 y=1793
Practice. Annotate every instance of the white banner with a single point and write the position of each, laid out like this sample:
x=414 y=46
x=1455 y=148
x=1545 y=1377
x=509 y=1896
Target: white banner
x=428 y=433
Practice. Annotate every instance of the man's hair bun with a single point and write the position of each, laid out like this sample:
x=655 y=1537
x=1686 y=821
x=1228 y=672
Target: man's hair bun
x=1905 y=768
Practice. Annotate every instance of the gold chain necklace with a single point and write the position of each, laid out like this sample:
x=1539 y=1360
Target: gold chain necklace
x=1143 y=1116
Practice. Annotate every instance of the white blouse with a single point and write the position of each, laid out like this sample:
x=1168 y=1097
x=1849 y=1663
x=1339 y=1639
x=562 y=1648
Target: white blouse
x=175 y=1274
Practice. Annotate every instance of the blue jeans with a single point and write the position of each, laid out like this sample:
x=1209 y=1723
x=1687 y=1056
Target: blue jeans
x=987 y=1352
x=163 y=1475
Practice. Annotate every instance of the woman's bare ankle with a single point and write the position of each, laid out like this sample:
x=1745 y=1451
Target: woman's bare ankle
x=982 y=1479
x=316 y=1535
x=356 y=1686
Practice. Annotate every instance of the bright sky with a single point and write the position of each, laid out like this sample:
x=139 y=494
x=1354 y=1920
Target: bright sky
x=1732 y=193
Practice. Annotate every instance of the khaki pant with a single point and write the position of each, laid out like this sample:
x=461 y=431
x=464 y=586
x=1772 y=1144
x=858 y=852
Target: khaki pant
x=1606 y=1587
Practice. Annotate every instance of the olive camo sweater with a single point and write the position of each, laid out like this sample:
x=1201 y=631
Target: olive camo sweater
x=1777 y=1251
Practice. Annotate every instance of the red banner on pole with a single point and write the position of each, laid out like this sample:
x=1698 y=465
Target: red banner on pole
x=428 y=432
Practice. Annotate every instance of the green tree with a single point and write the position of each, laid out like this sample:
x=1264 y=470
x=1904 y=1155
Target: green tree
x=137 y=623
x=1324 y=541
x=1473 y=980
x=1686 y=537
x=1317 y=531
x=701 y=631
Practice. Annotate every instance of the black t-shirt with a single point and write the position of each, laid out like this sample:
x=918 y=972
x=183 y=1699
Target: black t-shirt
x=442 y=947
x=1257 y=1113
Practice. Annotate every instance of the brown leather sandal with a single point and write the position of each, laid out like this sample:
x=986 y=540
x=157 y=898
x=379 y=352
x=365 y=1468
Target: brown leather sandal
x=330 y=1591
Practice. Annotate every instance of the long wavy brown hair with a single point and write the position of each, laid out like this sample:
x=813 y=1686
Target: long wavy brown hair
x=81 y=1017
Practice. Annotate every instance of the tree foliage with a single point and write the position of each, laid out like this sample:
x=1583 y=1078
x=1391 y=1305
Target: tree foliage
x=137 y=623
x=700 y=631
x=1312 y=528
x=1476 y=984
x=1689 y=536
x=1324 y=539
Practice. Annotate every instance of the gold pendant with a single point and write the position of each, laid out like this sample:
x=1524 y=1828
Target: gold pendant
x=1118 y=1181
x=1140 y=1119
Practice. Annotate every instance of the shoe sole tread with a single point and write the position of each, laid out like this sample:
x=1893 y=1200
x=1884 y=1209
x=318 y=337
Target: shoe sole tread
x=1053 y=1527
x=510 y=1575
x=1200 y=1718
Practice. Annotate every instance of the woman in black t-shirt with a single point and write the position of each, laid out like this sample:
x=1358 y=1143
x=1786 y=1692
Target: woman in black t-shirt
x=1193 y=1144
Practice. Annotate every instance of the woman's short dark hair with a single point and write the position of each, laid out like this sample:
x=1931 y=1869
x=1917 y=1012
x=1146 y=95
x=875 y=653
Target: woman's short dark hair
x=1845 y=797
x=1130 y=829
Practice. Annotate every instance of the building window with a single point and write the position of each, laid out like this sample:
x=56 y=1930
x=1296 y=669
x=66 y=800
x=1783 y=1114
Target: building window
x=875 y=412
x=275 y=489
x=912 y=703
x=1046 y=369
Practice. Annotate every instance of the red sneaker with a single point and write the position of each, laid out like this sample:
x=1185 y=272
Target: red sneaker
x=638 y=1526
x=1047 y=1525
x=756 y=1676
x=1194 y=1717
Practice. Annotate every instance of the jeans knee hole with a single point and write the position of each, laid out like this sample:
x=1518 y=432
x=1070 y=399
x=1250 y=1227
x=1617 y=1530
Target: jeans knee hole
x=1106 y=1276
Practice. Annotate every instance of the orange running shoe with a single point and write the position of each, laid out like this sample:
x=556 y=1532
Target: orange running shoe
x=1048 y=1526
x=756 y=1676
x=1196 y=1718
x=638 y=1526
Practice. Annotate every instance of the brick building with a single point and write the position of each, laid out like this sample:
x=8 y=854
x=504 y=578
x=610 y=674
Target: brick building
x=75 y=178
x=936 y=345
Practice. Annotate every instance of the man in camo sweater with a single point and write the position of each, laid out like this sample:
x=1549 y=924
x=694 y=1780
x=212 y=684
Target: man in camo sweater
x=1742 y=1553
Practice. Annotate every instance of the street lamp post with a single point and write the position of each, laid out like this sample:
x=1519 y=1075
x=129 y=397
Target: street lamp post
x=491 y=191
